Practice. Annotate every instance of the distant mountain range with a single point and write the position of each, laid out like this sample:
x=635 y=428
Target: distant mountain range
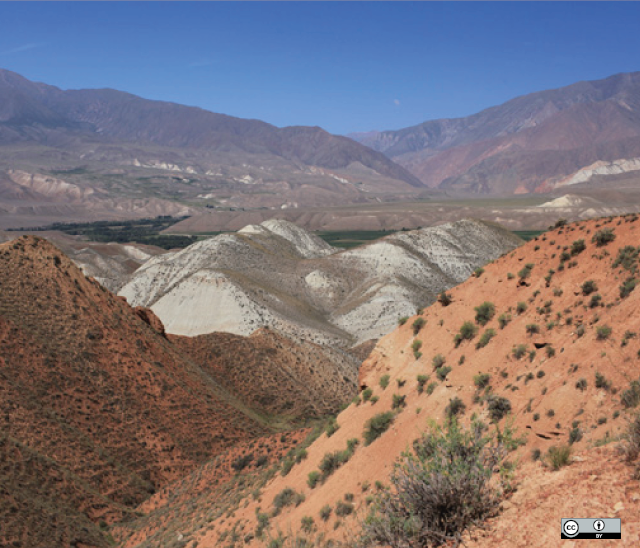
x=108 y=144
x=533 y=143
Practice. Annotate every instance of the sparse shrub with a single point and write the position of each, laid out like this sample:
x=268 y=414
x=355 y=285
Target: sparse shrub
x=442 y=372
x=325 y=512
x=551 y=352
x=376 y=426
x=602 y=382
x=455 y=407
x=595 y=300
x=242 y=462
x=536 y=454
x=630 y=446
x=575 y=435
x=366 y=394
x=510 y=276
x=557 y=457
x=628 y=258
x=603 y=332
x=287 y=465
x=431 y=387
x=532 y=328
x=422 y=381
x=525 y=272
x=627 y=287
x=481 y=380
x=503 y=320
x=398 y=401
x=332 y=427
x=551 y=413
x=578 y=247
x=416 y=345
x=485 y=338
x=589 y=287
x=536 y=416
x=374 y=400
x=438 y=361
x=631 y=396
x=344 y=508
x=485 y=312
x=417 y=325
x=440 y=490
x=314 y=478
x=580 y=330
x=444 y=299
x=603 y=237
x=384 y=381
x=581 y=384
x=498 y=407
x=403 y=320
x=519 y=351
x=521 y=307
x=307 y=524
x=478 y=272
x=286 y=497
x=468 y=330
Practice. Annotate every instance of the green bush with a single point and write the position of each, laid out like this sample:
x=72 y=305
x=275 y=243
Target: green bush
x=468 y=330
x=431 y=387
x=399 y=401
x=366 y=394
x=627 y=287
x=603 y=237
x=314 y=478
x=438 y=361
x=307 y=524
x=577 y=247
x=332 y=427
x=602 y=382
x=442 y=372
x=581 y=384
x=422 y=381
x=503 y=320
x=325 y=512
x=286 y=497
x=384 y=381
x=444 y=299
x=484 y=312
x=603 y=332
x=589 y=287
x=455 y=407
x=485 y=338
x=525 y=272
x=478 y=272
x=628 y=258
x=557 y=457
x=532 y=328
x=417 y=325
x=498 y=407
x=403 y=320
x=631 y=396
x=521 y=307
x=439 y=491
x=519 y=351
x=344 y=508
x=376 y=426
x=481 y=380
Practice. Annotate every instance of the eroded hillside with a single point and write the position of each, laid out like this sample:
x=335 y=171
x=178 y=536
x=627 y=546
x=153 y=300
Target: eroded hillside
x=547 y=336
x=279 y=275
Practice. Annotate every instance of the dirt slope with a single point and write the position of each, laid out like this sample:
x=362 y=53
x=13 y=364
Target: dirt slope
x=553 y=395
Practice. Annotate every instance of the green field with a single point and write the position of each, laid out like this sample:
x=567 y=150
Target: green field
x=349 y=239
x=527 y=235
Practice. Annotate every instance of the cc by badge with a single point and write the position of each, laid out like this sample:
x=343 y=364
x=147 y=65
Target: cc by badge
x=571 y=528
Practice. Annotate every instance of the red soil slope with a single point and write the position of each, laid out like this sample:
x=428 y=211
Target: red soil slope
x=553 y=395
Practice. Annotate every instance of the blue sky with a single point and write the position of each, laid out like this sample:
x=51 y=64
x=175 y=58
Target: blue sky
x=342 y=66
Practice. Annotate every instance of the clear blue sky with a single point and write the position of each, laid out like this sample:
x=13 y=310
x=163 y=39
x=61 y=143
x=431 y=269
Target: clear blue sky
x=342 y=66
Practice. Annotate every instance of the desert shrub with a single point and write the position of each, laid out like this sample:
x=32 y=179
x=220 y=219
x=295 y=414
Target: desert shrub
x=468 y=330
x=403 y=320
x=286 y=497
x=331 y=462
x=242 y=462
x=485 y=312
x=603 y=237
x=510 y=276
x=263 y=523
x=332 y=427
x=519 y=351
x=532 y=328
x=557 y=457
x=589 y=287
x=287 y=465
x=521 y=307
x=525 y=272
x=343 y=508
x=627 y=258
x=314 y=478
x=422 y=380
x=442 y=372
x=575 y=435
x=325 y=512
x=503 y=320
x=581 y=384
x=595 y=300
x=498 y=407
x=603 y=332
x=602 y=382
x=376 y=426
x=444 y=299
x=440 y=490
x=478 y=272
x=485 y=338
x=551 y=352
x=431 y=387
x=455 y=407
x=438 y=361
x=630 y=446
x=627 y=287
x=417 y=325
x=398 y=401
x=577 y=247
x=481 y=380
x=384 y=381
x=631 y=396
x=307 y=524
x=366 y=394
